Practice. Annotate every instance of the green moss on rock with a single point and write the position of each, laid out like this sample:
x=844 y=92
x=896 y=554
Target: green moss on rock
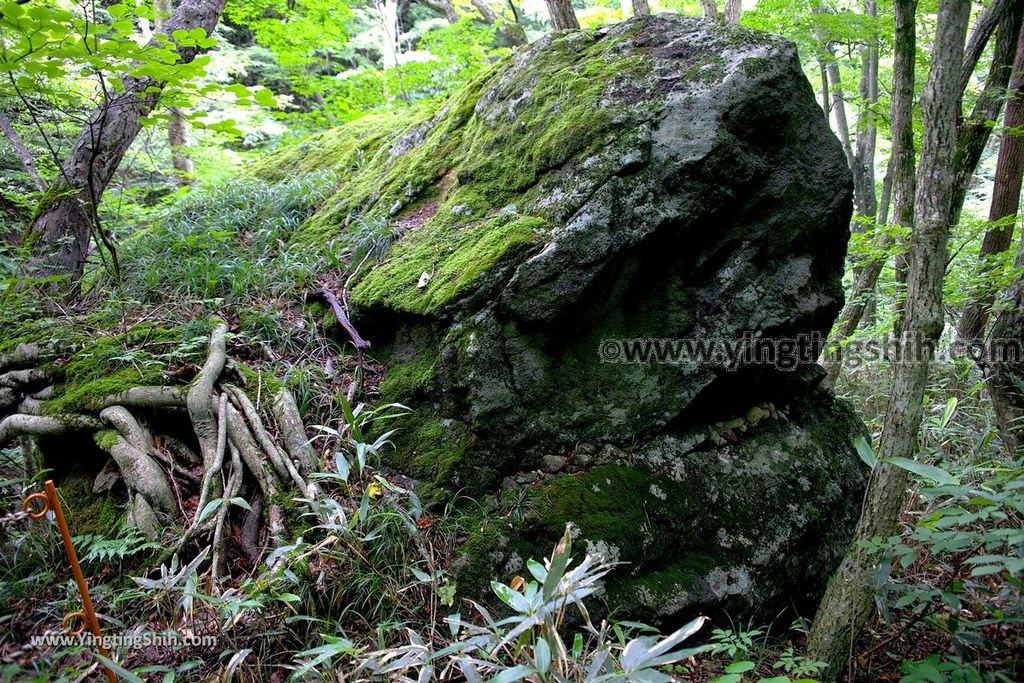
x=454 y=257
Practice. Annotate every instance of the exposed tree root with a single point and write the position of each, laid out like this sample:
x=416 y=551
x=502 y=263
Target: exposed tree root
x=23 y=355
x=153 y=502
x=235 y=454
x=293 y=432
x=200 y=402
x=18 y=424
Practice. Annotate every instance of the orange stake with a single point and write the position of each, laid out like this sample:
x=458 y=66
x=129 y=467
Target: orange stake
x=52 y=502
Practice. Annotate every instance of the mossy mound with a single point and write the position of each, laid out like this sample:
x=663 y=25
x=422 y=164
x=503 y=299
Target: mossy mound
x=665 y=178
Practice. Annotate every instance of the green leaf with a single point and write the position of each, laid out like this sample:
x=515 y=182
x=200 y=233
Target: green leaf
x=209 y=508
x=542 y=656
x=516 y=673
x=947 y=413
x=728 y=678
x=119 y=670
x=739 y=667
x=929 y=472
x=559 y=561
x=866 y=453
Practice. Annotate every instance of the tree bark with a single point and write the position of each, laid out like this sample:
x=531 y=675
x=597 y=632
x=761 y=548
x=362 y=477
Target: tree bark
x=177 y=126
x=641 y=8
x=28 y=162
x=709 y=8
x=489 y=15
x=983 y=29
x=444 y=6
x=178 y=136
x=864 y=198
x=67 y=219
x=824 y=91
x=562 y=15
x=1005 y=380
x=389 y=48
x=733 y=11
x=901 y=171
x=838 y=99
x=1005 y=197
x=975 y=131
x=848 y=598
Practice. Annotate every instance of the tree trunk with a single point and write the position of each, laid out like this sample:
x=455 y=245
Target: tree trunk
x=864 y=198
x=444 y=6
x=733 y=11
x=68 y=216
x=901 y=172
x=485 y=10
x=178 y=136
x=982 y=32
x=710 y=9
x=977 y=128
x=177 y=126
x=1005 y=196
x=28 y=162
x=838 y=100
x=641 y=8
x=824 y=91
x=848 y=598
x=389 y=48
x=1006 y=365
x=562 y=15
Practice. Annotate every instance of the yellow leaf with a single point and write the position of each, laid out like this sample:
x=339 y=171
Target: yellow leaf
x=374 y=490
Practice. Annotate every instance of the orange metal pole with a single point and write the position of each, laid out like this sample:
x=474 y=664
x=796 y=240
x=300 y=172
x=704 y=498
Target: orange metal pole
x=90 y=614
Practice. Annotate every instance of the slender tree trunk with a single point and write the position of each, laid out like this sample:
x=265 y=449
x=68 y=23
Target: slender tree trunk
x=982 y=32
x=848 y=598
x=28 y=162
x=641 y=8
x=975 y=131
x=710 y=9
x=389 y=39
x=178 y=136
x=177 y=126
x=733 y=11
x=1005 y=197
x=485 y=10
x=66 y=220
x=446 y=7
x=1005 y=375
x=834 y=81
x=562 y=15
x=865 y=200
x=824 y=91
x=901 y=172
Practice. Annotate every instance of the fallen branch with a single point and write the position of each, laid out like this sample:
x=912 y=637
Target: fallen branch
x=342 y=317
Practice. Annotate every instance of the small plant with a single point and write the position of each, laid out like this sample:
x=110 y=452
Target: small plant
x=734 y=643
x=124 y=542
x=529 y=643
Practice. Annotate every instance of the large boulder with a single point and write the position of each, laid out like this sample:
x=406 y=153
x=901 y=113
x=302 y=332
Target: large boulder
x=665 y=178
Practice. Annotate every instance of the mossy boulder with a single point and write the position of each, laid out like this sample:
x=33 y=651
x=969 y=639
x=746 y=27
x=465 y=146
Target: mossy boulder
x=664 y=178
